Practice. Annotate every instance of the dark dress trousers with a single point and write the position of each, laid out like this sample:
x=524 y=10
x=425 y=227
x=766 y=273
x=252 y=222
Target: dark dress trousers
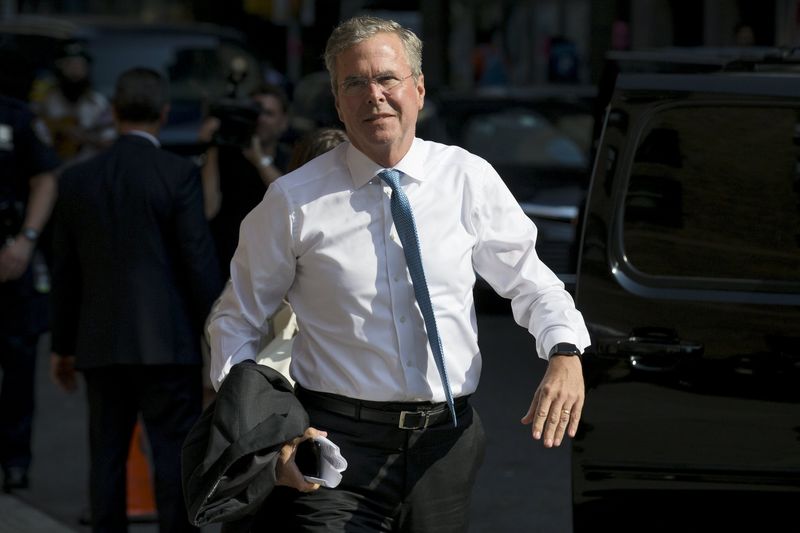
x=135 y=274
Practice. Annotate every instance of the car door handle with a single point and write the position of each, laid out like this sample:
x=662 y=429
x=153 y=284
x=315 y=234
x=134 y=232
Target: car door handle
x=657 y=349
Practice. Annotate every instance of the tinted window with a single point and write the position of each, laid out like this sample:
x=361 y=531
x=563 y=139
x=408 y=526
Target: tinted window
x=714 y=193
x=198 y=66
x=523 y=138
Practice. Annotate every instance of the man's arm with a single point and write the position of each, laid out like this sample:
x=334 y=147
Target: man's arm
x=16 y=254
x=264 y=164
x=506 y=258
x=196 y=246
x=262 y=270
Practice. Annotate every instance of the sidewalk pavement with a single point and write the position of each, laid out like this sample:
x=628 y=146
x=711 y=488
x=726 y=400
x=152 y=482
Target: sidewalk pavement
x=17 y=516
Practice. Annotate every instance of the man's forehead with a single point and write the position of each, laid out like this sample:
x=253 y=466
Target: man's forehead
x=381 y=46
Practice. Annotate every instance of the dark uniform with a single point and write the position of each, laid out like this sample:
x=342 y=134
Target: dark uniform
x=242 y=189
x=23 y=307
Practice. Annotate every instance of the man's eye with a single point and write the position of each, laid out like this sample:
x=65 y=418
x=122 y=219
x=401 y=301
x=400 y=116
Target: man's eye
x=387 y=81
x=358 y=83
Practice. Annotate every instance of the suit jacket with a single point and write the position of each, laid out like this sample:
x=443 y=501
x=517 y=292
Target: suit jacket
x=135 y=271
x=228 y=459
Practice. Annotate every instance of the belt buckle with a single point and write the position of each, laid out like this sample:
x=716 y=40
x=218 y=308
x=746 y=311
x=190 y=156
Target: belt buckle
x=422 y=422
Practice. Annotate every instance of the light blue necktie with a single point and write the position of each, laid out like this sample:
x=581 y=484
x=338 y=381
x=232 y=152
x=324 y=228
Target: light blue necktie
x=407 y=230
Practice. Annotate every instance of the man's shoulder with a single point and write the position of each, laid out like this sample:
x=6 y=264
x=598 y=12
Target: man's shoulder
x=438 y=148
x=448 y=153
x=155 y=154
x=74 y=170
x=16 y=113
x=320 y=173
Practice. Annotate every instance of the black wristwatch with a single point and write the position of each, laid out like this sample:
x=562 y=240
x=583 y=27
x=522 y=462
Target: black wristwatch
x=30 y=234
x=565 y=348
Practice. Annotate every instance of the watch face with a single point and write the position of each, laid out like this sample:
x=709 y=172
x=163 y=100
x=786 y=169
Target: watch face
x=564 y=348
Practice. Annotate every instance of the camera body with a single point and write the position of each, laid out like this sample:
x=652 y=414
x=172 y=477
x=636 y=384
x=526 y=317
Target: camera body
x=237 y=121
x=237 y=115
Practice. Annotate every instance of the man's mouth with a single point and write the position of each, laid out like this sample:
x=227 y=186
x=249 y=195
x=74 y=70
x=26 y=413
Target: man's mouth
x=377 y=117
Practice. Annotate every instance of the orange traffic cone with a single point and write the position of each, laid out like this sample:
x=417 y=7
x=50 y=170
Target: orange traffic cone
x=141 y=500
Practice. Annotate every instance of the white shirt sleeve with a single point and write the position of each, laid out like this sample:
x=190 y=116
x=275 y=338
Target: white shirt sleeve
x=506 y=258
x=262 y=270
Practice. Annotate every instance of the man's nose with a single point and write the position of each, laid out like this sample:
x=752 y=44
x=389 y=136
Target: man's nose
x=375 y=92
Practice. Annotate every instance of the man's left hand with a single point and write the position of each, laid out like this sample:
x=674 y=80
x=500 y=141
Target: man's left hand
x=286 y=471
x=62 y=371
x=14 y=258
x=558 y=401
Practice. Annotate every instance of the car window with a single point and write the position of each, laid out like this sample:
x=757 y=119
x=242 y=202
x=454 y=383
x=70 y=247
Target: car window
x=521 y=137
x=681 y=220
x=198 y=66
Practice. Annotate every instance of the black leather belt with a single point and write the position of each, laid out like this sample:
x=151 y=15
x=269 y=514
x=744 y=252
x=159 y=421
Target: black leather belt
x=403 y=415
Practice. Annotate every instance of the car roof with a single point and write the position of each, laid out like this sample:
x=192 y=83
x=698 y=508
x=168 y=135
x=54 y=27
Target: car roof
x=84 y=26
x=706 y=59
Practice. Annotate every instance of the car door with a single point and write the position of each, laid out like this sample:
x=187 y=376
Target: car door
x=689 y=279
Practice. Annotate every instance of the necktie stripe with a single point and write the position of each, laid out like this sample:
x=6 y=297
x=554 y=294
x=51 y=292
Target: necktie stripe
x=407 y=231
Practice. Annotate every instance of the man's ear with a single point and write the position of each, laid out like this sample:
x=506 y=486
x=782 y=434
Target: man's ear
x=421 y=91
x=338 y=109
x=164 y=115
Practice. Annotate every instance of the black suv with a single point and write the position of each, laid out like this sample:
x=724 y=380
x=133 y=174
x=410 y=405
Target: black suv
x=689 y=277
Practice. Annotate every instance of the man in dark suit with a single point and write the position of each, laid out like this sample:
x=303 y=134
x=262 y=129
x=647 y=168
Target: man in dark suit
x=135 y=274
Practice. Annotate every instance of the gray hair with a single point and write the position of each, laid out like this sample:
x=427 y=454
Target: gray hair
x=357 y=29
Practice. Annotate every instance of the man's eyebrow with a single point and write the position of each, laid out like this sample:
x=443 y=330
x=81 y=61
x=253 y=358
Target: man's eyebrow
x=378 y=75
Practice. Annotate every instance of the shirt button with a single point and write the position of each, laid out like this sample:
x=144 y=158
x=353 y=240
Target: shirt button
x=397 y=278
x=402 y=320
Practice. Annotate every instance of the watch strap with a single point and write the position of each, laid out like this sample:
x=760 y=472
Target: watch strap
x=565 y=348
x=30 y=234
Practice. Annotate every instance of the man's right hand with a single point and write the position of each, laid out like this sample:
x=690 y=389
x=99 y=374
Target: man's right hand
x=286 y=472
x=62 y=371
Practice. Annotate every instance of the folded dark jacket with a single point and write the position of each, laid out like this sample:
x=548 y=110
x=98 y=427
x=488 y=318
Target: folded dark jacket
x=228 y=459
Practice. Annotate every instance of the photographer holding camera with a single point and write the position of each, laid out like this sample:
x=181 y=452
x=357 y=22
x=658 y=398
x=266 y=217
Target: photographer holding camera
x=245 y=155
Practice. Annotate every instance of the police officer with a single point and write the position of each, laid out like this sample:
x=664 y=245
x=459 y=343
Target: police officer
x=27 y=194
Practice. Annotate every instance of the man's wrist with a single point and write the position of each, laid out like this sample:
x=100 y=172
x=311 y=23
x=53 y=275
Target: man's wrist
x=565 y=349
x=30 y=234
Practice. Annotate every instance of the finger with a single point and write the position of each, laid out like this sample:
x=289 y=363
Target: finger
x=551 y=421
x=575 y=418
x=529 y=415
x=540 y=418
x=564 y=417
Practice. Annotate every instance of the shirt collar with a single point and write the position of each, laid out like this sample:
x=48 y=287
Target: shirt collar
x=363 y=169
x=144 y=134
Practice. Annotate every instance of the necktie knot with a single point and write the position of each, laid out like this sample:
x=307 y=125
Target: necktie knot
x=391 y=177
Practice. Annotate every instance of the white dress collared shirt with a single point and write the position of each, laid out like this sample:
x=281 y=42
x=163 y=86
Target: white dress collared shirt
x=323 y=237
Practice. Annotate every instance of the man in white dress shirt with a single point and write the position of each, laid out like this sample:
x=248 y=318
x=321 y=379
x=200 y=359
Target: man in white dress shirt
x=324 y=238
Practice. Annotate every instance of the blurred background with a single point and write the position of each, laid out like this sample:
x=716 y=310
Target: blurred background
x=518 y=82
x=502 y=76
x=467 y=42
